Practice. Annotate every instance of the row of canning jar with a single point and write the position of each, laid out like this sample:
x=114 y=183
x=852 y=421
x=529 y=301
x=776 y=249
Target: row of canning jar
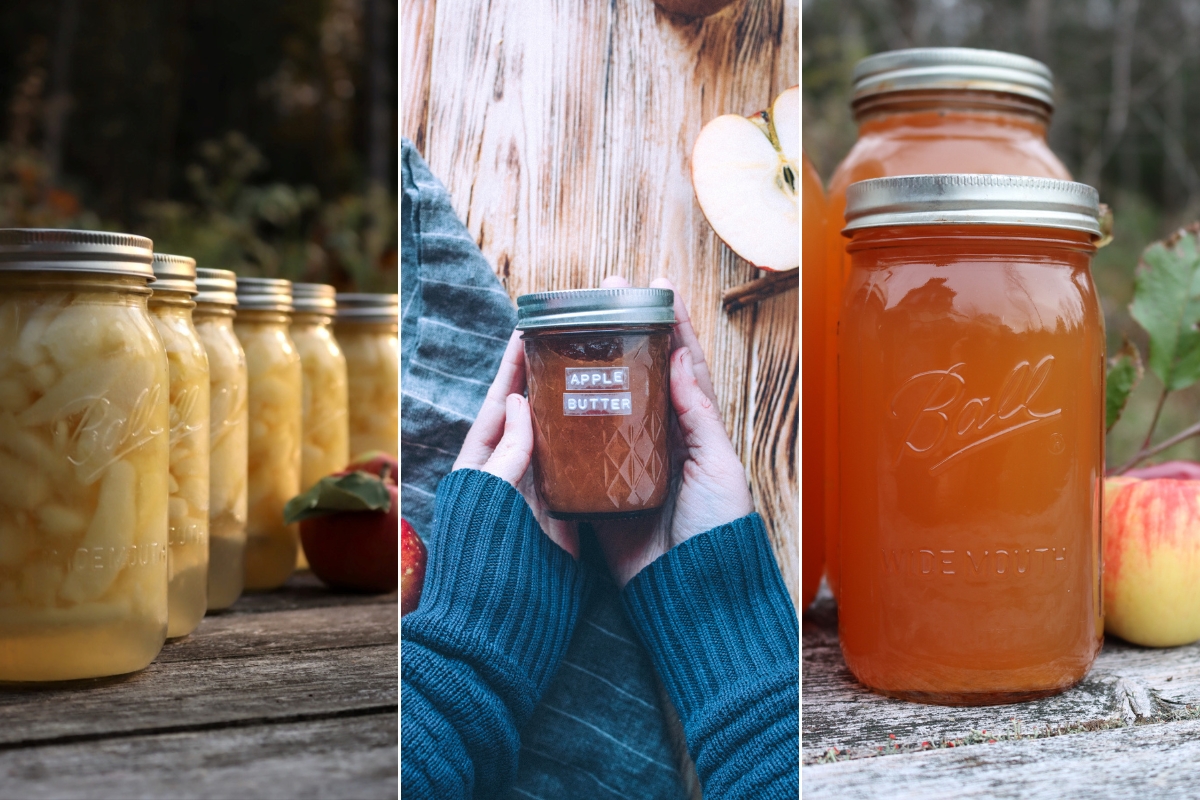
x=154 y=419
x=953 y=347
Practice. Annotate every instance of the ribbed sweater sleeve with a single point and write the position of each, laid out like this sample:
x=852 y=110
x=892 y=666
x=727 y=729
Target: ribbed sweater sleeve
x=724 y=637
x=497 y=611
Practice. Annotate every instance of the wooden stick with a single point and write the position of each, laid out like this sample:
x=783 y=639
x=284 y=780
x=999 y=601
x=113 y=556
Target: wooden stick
x=771 y=284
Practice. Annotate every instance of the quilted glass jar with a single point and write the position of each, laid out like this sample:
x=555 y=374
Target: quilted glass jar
x=597 y=369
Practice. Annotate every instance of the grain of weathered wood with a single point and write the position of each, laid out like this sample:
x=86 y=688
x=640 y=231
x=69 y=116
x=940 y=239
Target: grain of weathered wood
x=416 y=22
x=213 y=692
x=1133 y=763
x=305 y=630
x=354 y=759
x=563 y=130
x=1127 y=684
x=303 y=590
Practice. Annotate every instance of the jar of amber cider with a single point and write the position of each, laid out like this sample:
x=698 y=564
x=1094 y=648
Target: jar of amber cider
x=597 y=368
x=325 y=442
x=921 y=111
x=367 y=327
x=972 y=438
x=229 y=425
x=813 y=370
x=187 y=507
x=83 y=457
x=273 y=447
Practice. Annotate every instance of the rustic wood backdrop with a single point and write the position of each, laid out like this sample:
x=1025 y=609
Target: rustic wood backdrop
x=563 y=128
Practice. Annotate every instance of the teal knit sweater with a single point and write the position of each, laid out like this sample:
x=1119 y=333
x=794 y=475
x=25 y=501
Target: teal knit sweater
x=499 y=607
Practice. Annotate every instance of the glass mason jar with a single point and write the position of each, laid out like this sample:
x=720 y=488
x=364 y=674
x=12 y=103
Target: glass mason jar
x=367 y=327
x=325 y=447
x=187 y=518
x=83 y=457
x=229 y=427
x=276 y=387
x=922 y=111
x=597 y=367
x=813 y=368
x=972 y=438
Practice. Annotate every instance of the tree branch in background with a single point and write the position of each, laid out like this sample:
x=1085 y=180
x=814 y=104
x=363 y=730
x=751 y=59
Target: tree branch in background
x=1120 y=94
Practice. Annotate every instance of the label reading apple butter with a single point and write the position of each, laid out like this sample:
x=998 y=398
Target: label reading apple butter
x=584 y=379
x=597 y=405
x=596 y=392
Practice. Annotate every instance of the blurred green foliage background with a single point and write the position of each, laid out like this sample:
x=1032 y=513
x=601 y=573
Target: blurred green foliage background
x=1126 y=120
x=255 y=136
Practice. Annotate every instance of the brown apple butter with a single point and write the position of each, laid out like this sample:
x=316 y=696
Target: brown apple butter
x=596 y=363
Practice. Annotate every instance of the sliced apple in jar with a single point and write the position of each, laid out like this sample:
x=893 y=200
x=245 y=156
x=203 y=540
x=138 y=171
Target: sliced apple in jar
x=746 y=175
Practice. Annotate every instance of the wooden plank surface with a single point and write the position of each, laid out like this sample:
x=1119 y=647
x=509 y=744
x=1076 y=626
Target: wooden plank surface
x=287 y=694
x=563 y=130
x=1134 y=697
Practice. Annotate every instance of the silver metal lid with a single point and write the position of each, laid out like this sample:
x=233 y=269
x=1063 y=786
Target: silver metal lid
x=953 y=68
x=314 y=298
x=57 y=250
x=586 y=308
x=174 y=273
x=972 y=200
x=216 y=286
x=352 y=307
x=264 y=294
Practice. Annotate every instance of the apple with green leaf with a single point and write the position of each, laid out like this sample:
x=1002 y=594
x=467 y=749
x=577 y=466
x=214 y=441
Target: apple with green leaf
x=746 y=175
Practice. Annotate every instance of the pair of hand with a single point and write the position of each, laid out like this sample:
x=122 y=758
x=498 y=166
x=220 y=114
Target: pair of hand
x=708 y=483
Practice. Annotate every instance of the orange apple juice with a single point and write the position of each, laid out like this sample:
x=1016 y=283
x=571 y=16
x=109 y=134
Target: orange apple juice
x=972 y=443
x=812 y=368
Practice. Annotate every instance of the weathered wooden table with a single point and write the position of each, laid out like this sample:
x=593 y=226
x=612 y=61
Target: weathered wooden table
x=1131 y=729
x=290 y=694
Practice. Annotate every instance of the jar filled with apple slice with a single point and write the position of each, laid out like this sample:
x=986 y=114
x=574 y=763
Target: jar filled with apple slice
x=171 y=309
x=273 y=450
x=84 y=396
x=367 y=327
x=229 y=425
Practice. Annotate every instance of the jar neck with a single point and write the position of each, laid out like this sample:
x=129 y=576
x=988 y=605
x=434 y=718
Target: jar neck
x=344 y=328
x=169 y=299
x=60 y=281
x=213 y=311
x=312 y=320
x=623 y=330
x=941 y=108
x=972 y=239
x=260 y=317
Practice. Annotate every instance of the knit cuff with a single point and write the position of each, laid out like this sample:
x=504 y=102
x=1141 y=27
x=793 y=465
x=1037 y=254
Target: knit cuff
x=714 y=612
x=499 y=595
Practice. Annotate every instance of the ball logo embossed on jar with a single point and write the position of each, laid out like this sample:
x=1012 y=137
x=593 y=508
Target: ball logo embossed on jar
x=185 y=419
x=103 y=432
x=948 y=423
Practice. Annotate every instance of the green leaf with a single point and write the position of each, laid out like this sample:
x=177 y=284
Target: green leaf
x=1166 y=302
x=354 y=491
x=1124 y=371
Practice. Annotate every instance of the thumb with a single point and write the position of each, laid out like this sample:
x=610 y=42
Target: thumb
x=510 y=460
x=699 y=422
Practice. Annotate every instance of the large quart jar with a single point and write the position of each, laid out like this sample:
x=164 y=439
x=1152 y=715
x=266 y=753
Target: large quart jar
x=83 y=457
x=367 y=330
x=812 y=534
x=922 y=111
x=972 y=438
x=325 y=446
x=229 y=427
x=597 y=365
x=276 y=389
x=187 y=507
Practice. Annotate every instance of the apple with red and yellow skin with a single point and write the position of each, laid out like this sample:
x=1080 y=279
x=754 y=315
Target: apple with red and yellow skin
x=1152 y=560
x=357 y=550
x=412 y=567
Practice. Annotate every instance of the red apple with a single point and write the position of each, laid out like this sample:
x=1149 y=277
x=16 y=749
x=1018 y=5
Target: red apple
x=746 y=175
x=1152 y=560
x=373 y=461
x=412 y=567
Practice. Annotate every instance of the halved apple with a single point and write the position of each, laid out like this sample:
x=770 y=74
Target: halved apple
x=746 y=174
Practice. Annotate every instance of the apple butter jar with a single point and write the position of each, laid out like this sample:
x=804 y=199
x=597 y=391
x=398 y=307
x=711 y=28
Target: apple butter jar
x=596 y=364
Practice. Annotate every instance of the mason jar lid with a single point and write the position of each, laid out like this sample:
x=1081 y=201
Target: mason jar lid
x=358 y=307
x=58 y=250
x=972 y=200
x=216 y=286
x=589 y=308
x=264 y=294
x=174 y=273
x=314 y=298
x=960 y=68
